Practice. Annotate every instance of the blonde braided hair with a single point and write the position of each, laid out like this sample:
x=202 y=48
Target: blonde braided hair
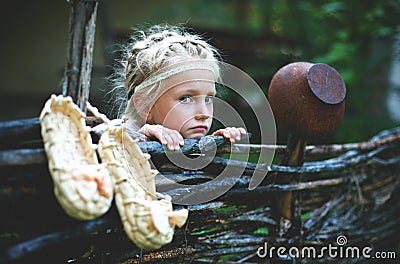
x=148 y=53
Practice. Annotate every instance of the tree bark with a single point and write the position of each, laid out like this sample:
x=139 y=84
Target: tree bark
x=79 y=64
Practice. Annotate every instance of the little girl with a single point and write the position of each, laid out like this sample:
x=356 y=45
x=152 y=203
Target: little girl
x=168 y=81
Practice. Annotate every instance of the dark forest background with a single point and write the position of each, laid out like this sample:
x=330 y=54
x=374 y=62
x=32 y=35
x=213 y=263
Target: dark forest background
x=358 y=38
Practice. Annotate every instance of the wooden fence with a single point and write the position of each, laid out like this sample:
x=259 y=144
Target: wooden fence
x=352 y=193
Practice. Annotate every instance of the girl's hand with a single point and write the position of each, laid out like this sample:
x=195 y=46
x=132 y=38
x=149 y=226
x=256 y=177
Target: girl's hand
x=231 y=133
x=168 y=137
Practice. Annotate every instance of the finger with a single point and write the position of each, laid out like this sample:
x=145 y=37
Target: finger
x=145 y=130
x=237 y=133
x=221 y=132
x=226 y=134
x=242 y=131
x=158 y=134
x=233 y=134
x=170 y=140
x=177 y=139
x=180 y=139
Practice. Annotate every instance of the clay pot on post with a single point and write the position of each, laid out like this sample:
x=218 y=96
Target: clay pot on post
x=308 y=100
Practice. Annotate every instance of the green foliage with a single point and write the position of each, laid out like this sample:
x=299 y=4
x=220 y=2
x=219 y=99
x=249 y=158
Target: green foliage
x=202 y=232
x=355 y=37
x=227 y=209
x=261 y=231
x=305 y=216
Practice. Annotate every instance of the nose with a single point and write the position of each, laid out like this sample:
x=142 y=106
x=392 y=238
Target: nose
x=203 y=110
x=201 y=117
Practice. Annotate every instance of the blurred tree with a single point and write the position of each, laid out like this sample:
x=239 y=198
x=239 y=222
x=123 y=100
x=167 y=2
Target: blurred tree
x=355 y=37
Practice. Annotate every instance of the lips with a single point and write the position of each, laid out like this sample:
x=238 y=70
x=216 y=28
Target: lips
x=200 y=128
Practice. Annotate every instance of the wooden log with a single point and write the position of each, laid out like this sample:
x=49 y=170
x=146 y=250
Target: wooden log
x=191 y=146
x=79 y=64
x=23 y=127
x=351 y=160
x=22 y=157
x=37 y=155
x=25 y=250
x=14 y=133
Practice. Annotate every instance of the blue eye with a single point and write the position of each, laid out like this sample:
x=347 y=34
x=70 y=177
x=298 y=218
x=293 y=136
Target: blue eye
x=185 y=99
x=208 y=99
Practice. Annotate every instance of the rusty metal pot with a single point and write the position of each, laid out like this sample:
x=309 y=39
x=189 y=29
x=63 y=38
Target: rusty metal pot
x=308 y=99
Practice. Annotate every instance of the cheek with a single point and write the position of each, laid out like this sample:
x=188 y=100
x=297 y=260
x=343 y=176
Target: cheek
x=177 y=117
x=163 y=112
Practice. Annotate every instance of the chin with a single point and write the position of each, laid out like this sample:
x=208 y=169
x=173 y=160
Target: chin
x=195 y=135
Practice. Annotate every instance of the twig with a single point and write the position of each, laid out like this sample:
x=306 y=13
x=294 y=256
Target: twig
x=313 y=150
x=335 y=164
x=361 y=146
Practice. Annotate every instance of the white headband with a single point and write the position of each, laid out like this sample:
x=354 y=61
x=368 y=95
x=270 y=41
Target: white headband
x=175 y=69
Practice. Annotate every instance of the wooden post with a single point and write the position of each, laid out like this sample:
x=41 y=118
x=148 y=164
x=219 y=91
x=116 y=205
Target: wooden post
x=287 y=214
x=79 y=64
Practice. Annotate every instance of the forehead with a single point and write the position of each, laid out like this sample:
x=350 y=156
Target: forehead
x=199 y=81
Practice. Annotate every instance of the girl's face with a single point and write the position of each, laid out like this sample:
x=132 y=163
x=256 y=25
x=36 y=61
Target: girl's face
x=187 y=103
